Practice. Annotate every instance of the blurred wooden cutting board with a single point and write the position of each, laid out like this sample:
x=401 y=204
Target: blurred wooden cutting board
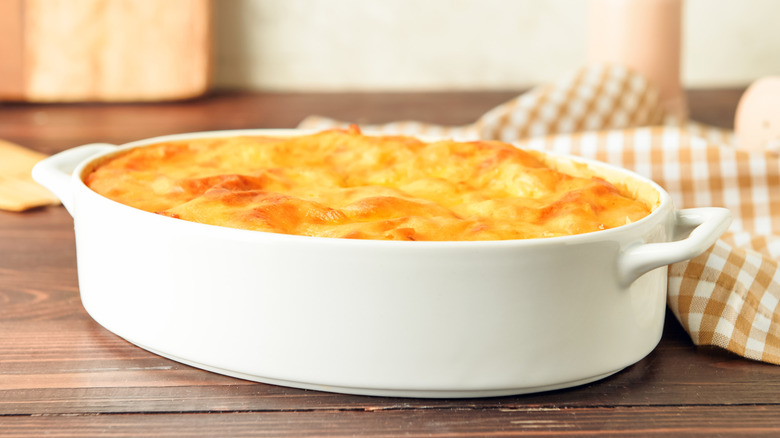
x=104 y=50
x=18 y=191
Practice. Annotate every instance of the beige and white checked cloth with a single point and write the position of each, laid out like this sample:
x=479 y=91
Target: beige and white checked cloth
x=727 y=297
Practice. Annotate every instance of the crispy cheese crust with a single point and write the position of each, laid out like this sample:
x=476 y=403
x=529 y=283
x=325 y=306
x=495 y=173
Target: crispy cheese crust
x=344 y=184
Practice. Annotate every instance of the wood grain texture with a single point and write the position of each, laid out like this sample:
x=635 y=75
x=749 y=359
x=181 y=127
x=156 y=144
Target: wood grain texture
x=474 y=422
x=50 y=128
x=62 y=374
x=111 y=374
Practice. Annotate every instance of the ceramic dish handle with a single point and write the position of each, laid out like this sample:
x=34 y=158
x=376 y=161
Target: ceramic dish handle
x=705 y=226
x=54 y=172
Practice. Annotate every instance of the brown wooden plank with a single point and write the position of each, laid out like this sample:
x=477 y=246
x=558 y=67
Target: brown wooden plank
x=37 y=253
x=61 y=372
x=714 y=107
x=51 y=128
x=73 y=365
x=462 y=422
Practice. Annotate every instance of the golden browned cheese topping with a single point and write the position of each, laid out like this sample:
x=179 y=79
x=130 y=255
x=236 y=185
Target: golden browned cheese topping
x=342 y=183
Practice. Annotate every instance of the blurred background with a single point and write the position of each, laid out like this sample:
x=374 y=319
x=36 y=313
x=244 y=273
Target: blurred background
x=127 y=50
x=410 y=45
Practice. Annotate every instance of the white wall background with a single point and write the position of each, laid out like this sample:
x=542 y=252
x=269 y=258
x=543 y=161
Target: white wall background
x=347 y=45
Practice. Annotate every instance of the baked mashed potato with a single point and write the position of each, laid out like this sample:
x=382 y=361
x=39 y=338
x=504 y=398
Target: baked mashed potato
x=343 y=184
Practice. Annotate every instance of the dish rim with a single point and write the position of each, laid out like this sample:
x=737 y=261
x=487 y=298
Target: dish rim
x=88 y=164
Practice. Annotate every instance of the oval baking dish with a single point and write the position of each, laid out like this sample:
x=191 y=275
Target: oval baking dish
x=392 y=318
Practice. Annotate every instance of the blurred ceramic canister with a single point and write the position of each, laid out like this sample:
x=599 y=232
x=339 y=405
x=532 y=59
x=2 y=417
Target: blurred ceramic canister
x=645 y=37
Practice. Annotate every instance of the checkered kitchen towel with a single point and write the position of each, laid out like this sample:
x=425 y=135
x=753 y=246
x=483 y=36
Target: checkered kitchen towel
x=727 y=297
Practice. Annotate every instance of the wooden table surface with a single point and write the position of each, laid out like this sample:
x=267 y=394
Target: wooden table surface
x=62 y=374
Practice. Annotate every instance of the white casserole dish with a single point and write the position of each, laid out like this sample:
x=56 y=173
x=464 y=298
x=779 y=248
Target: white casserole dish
x=420 y=319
